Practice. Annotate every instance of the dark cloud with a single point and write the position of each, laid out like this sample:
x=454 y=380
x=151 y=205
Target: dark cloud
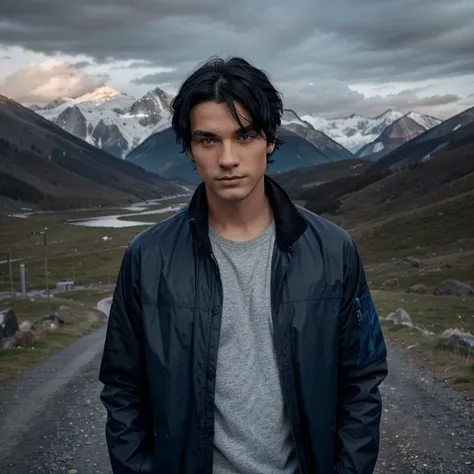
x=80 y=65
x=335 y=99
x=328 y=43
x=156 y=78
x=367 y=39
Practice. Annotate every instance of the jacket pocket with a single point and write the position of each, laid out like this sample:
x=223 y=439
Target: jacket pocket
x=371 y=342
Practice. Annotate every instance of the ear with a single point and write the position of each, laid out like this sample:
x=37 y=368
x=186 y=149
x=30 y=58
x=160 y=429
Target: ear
x=271 y=146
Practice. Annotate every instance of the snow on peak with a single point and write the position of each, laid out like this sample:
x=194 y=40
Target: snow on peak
x=290 y=116
x=426 y=121
x=99 y=95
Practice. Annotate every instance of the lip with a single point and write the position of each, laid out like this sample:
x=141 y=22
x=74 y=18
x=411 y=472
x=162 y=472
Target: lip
x=231 y=179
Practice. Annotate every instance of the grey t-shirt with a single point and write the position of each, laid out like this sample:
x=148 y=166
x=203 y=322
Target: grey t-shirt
x=252 y=431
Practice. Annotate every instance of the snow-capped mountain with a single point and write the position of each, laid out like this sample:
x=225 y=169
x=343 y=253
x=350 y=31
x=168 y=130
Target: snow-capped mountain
x=354 y=132
x=399 y=132
x=109 y=119
x=333 y=150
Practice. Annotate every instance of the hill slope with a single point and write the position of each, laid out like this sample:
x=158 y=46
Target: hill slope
x=447 y=135
x=301 y=179
x=63 y=169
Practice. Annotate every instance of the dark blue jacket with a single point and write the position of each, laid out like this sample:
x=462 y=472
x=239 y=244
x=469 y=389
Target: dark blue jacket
x=160 y=354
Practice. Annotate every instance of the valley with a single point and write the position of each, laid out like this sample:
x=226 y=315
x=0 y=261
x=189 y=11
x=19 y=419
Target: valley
x=73 y=194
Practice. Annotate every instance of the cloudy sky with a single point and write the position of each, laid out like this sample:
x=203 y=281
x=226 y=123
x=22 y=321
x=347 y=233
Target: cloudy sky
x=329 y=58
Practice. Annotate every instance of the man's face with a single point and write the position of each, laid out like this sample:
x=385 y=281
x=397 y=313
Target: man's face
x=230 y=161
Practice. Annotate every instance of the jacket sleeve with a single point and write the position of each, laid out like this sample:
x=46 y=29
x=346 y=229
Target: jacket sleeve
x=129 y=429
x=362 y=367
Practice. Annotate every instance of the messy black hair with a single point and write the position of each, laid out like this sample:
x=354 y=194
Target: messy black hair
x=229 y=81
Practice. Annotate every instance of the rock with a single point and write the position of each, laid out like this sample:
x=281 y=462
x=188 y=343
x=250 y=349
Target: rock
x=7 y=344
x=413 y=261
x=390 y=284
x=400 y=316
x=457 y=339
x=53 y=321
x=64 y=308
x=418 y=288
x=453 y=288
x=8 y=323
x=25 y=326
x=25 y=338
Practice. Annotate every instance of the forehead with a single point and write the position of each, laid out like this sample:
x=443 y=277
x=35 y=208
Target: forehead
x=217 y=118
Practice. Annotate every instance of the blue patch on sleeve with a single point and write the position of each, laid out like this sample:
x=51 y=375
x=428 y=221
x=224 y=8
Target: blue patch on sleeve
x=371 y=341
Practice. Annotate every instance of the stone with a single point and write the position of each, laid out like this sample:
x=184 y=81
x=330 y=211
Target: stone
x=400 y=316
x=8 y=323
x=453 y=287
x=419 y=288
x=390 y=284
x=457 y=339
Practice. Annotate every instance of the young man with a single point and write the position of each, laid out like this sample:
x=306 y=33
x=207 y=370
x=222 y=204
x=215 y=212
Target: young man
x=242 y=336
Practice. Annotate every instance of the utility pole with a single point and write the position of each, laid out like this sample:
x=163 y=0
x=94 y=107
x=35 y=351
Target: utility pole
x=46 y=262
x=10 y=272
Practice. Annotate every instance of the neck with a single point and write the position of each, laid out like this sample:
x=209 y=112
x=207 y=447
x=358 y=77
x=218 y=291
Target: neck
x=242 y=220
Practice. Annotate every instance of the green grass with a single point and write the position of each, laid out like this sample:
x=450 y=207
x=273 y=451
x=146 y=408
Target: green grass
x=74 y=252
x=435 y=314
x=80 y=318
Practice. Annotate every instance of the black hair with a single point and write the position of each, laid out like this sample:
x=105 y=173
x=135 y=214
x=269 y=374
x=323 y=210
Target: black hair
x=226 y=81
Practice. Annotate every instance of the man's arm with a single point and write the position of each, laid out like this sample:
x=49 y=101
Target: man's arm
x=362 y=367
x=129 y=427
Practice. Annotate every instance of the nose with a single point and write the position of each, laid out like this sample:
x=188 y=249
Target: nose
x=228 y=156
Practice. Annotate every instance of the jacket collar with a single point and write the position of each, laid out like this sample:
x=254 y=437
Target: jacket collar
x=289 y=223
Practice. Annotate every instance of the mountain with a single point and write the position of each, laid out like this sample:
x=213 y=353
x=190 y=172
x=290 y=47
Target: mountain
x=448 y=135
x=53 y=168
x=108 y=119
x=354 y=132
x=161 y=154
x=399 y=132
x=320 y=140
x=296 y=180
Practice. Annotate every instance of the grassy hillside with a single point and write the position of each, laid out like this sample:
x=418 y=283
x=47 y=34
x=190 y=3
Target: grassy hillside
x=45 y=165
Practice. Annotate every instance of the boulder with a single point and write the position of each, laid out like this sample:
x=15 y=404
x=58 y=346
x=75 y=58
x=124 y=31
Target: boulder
x=25 y=338
x=25 y=326
x=390 y=284
x=7 y=344
x=400 y=316
x=456 y=339
x=8 y=323
x=453 y=288
x=419 y=288
x=52 y=320
x=413 y=261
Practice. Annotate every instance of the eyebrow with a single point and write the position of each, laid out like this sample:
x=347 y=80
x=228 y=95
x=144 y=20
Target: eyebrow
x=240 y=131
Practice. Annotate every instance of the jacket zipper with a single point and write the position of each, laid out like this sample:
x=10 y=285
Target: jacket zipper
x=358 y=312
x=285 y=391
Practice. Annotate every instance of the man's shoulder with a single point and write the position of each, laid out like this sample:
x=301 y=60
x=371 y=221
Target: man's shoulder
x=159 y=234
x=327 y=232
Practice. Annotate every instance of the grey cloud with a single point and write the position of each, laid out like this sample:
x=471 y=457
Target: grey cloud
x=157 y=78
x=296 y=43
x=80 y=65
x=335 y=99
x=364 y=40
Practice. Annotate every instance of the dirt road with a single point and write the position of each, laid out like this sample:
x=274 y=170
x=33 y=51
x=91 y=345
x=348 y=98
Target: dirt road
x=51 y=419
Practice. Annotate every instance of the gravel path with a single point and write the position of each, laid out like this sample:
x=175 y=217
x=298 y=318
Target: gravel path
x=51 y=419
